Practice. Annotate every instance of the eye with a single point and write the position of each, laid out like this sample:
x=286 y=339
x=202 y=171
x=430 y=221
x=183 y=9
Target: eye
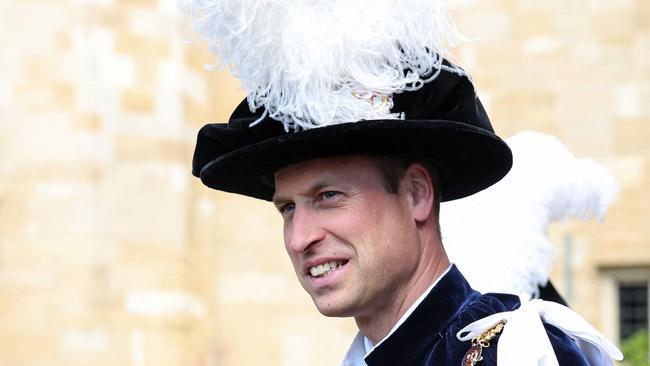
x=327 y=195
x=286 y=208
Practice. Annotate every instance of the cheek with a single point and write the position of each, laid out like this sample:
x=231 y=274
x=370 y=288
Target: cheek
x=344 y=222
x=395 y=235
x=293 y=256
x=286 y=235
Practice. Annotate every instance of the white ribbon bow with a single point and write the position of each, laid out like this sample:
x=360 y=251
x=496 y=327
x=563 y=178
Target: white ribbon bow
x=524 y=340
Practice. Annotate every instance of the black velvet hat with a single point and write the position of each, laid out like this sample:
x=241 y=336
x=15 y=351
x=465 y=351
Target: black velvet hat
x=444 y=124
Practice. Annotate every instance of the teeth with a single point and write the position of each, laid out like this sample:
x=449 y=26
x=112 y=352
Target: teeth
x=325 y=268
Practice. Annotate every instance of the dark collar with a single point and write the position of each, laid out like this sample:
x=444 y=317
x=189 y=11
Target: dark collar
x=426 y=325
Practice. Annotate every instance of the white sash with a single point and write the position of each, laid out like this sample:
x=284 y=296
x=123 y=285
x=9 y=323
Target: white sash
x=524 y=340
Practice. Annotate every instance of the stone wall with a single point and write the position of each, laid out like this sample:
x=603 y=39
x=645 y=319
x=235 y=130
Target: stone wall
x=112 y=254
x=580 y=71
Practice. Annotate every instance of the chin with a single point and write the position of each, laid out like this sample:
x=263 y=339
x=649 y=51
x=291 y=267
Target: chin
x=333 y=309
x=334 y=312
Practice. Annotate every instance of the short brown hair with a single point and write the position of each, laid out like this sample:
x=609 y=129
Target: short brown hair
x=393 y=170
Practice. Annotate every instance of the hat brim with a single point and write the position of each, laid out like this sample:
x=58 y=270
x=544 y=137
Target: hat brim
x=470 y=159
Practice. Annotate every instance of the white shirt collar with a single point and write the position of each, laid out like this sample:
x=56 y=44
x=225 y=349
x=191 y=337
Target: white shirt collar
x=362 y=346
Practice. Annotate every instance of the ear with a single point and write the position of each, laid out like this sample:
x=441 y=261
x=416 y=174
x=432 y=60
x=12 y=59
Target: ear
x=418 y=185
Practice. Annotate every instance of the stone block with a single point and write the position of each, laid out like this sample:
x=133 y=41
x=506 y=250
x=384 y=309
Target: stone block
x=138 y=100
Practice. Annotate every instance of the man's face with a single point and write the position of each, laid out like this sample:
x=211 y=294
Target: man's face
x=353 y=245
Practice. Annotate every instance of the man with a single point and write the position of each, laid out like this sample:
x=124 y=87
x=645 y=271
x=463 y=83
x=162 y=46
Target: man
x=361 y=219
x=357 y=157
x=359 y=247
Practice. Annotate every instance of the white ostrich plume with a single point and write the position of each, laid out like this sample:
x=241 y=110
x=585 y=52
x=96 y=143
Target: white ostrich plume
x=311 y=63
x=498 y=237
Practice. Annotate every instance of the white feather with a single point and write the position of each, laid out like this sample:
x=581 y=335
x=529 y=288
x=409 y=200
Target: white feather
x=498 y=237
x=303 y=60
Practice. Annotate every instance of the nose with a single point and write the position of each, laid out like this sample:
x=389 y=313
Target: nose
x=303 y=230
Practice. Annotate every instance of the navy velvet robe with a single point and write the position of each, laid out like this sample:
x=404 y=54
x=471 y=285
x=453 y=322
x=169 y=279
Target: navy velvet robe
x=428 y=336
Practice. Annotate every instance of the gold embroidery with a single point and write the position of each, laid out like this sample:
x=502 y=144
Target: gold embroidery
x=474 y=354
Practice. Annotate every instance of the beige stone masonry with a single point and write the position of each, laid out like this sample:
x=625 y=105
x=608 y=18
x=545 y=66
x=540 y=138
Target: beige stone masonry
x=111 y=253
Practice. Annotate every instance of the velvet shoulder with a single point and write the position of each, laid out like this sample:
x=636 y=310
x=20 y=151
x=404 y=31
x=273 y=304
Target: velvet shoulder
x=482 y=306
x=566 y=350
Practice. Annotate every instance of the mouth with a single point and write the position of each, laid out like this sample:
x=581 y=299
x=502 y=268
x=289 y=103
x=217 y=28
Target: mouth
x=326 y=269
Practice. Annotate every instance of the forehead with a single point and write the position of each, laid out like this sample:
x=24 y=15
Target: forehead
x=358 y=167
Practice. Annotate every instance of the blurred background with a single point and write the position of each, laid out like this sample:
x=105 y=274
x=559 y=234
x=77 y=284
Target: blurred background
x=111 y=253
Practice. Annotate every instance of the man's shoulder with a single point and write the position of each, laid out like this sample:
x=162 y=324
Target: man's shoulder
x=566 y=349
x=485 y=305
x=440 y=330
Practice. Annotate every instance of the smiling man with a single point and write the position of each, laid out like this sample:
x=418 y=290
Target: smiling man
x=359 y=249
x=357 y=127
x=360 y=203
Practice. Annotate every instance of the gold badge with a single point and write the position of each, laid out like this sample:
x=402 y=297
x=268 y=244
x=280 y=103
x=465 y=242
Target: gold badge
x=474 y=354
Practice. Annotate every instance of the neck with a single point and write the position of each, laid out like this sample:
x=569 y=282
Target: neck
x=375 y=326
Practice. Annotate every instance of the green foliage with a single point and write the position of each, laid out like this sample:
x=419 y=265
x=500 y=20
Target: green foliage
x=635 y=349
